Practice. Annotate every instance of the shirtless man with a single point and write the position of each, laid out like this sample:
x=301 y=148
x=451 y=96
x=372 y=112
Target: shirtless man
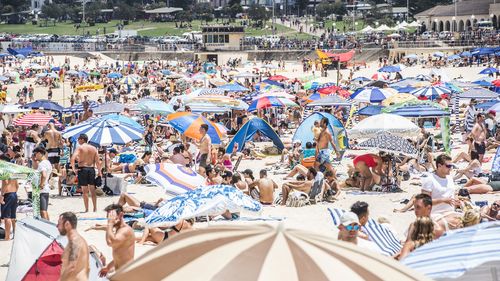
x=205 y=146
x=75 y=258
x=265 y=193
x=120 y=237
x=54 y=145
x=87 y=158
x=312 y=177
x=479 y=135
x=322 y=150
x=8 y=205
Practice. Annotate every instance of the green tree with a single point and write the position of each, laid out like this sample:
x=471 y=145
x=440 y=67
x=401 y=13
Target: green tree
x=324 y=9
x=258 y=13
x=14 y=5
x=125 y=12
x=184 y=4
x=53 y=11
x=183 y=16
x=301 y=6
x=339 y=8
x=203 y=11
x=93 y=11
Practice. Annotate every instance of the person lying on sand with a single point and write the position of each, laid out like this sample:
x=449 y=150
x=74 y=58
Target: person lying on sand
x=156 y=235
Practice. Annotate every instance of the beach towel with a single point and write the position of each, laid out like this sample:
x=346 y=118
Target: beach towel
x=495 y=167
x=384 y=238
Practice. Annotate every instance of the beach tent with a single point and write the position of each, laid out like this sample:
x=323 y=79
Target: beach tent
x=36 y=252
x=304 y=132
x=22 y=51
x=249 y=130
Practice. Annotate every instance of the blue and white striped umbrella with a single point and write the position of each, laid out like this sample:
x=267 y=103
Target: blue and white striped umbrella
x=371 y=94
x=105 y=132
x=175 y=179
x=79 y=107
x=431 y=92
x=203 y=201
x=129 y=80
x=459 y=251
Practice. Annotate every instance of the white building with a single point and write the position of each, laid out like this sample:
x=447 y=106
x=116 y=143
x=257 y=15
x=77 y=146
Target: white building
x=36 y=5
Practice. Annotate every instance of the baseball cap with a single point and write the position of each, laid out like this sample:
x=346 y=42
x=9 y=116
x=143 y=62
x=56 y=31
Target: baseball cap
x=113 y=150
x=349 y=218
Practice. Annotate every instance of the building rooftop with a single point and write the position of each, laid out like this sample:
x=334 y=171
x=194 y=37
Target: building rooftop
x=464 y=8
x=164 y=10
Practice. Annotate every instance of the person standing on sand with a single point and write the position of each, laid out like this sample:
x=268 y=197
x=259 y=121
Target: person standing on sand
x=8 y=205
x=45 y=168
x=205 y=146
x=54 y=145
x=75 y=258
x=87 y=158
x=322 y=150
x=120 y=237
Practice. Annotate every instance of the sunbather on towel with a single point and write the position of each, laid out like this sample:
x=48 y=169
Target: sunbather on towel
x=480 y=186
x=156 y=235
x=131 y=204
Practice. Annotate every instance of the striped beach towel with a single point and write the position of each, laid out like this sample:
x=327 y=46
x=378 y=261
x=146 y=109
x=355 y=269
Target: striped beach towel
x=384 y=238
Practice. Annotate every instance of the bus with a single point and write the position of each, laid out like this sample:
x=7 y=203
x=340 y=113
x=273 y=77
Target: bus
x=484 y=25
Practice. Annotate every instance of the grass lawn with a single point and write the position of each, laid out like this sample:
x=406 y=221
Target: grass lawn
x=144 y=28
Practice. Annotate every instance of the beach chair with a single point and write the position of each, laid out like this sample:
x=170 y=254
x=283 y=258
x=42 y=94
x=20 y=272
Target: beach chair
x=384 y=238
x=495 y=166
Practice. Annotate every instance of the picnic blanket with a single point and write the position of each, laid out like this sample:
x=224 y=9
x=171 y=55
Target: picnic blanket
x=384 y=238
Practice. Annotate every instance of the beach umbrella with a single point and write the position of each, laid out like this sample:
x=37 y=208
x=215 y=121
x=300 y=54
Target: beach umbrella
x=114 y=75
x=312 y=85
x=4 y=78
x=431 y=92
x=188 y=124
x=95 y=73
x=12 y=108
x=390 y=143
x=35 y=118
x=165 y=72
x=278 y=94
x=55 y=68
x=453 y=57
x=47 y=74
x=379 y=76
x=200 y=76
x=370 y=94
x=334 y=90
x=482 y=83
x=458 y=252
x=155 y=107
x=390 y=68
x=175 y=179
x=411 y=56
x=496 y=83
x=122 y=119
x=370 y=110
x=83 y=74
x=79 y=107
x=466 y=54
x=417 y=109
x=246 y=75
x=314 y=97
x=362 y=79
x=110 y=107
x=438 y=54
x=202 y=201
x=105 y=132
x=267 y=102
x=261 y=252
x=248 y=98
x=129 y=80
x=225 y=103
x=384 y=122
x=406 y=89
x=71 y=72
x=486 y=105
x=10 y=171
x=398 y=98
x=206 y=92
x=332 y=100
x=233 y=87
x=45 y=105
x=278 y=78
x=478 y=93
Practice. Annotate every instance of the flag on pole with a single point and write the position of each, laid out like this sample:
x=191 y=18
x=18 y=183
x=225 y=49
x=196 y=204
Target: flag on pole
x=61 y=74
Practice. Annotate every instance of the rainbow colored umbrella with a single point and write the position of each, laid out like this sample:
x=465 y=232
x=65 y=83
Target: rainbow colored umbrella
x=266 y=102
x=314 y=97
x=189 y=124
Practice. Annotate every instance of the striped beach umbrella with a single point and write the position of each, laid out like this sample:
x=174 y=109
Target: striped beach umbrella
x=458 y=252
x=370 y=94
x=110 y=107
x=35 y=118
x=155 y=107
x=189 y=124
x=431 y=92
x=261 y=252
x=331 y=90
x=175 y=179
x=267 y=102
x=129 y=80
x=105 y=132
x=203 y=201
x=79 y=107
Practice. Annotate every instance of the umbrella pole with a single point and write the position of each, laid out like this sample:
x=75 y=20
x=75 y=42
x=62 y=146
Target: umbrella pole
x=105 y=166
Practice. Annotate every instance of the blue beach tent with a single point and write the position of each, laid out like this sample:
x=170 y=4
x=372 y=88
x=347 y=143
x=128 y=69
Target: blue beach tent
x=305 y=134
x=248 y=130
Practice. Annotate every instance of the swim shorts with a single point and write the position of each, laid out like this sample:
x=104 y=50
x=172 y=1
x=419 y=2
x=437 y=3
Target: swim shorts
x=44 y=201
x=203 y=160
x=480 y=148
x=54 y=155
x=323 y=156
x=495 y=185
x=8 y=209
x=86 y=176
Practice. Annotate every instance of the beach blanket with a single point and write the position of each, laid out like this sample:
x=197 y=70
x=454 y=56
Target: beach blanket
x=384 y=238
x=495 y=166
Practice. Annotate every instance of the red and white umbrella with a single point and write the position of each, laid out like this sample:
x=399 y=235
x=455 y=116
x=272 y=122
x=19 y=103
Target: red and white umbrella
x=35 y=118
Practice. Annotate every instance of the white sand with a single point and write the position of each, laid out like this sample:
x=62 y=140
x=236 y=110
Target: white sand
x=314 y=218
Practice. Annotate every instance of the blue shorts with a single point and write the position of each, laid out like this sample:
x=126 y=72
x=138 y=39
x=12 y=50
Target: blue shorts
x=9 y=207
x=323 y=156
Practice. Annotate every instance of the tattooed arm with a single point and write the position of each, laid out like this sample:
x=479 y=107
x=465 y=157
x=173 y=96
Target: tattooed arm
x=69 y=261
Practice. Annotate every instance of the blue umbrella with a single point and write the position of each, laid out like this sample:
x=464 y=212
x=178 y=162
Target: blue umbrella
x=407 y=89
x=370 y=110
x=107 y=108
x=83 y=74
x=438 y=54
x=233 y=87
x=370 y=94
x=122 y=119
x=424 y=109
x=105 y=132
x=55 y=68
x=45 y=104
x=489 y=70
x=3 y=78
x=362 y=78
x=466 y=54
x=431 y=92
x=202 y=201
x=114 y=75
x=155 y=107
x=459 y=251
x=165 y=72
x=248 y=98
x=453 y=57
x=390 y=68
x=79 y=107
x=411 y=56
x=486 y=106
x=478 y=93
x=482 y=83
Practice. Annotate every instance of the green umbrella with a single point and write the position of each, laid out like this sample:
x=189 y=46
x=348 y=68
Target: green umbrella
x=10 y=171
x=95 y=73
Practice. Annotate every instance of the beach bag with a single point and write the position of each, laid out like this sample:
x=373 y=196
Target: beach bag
x=297 y=199
x=127 y=158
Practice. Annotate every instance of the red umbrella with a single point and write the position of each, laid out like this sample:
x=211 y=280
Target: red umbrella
x=334 y=90
x=496 y=83
x=278 y=78
x=35 y=118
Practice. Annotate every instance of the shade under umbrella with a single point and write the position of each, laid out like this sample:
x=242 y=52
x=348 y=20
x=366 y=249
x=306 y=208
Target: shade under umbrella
x=203 y=201
x=105 y=132
x=261 y=252
x=391 y=123
x=175 y=179
x=110 y=107
x=459 y=251
x=45 y=105
x=390 y=143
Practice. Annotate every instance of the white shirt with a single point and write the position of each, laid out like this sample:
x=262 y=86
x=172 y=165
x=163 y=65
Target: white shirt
x=439 y=188
x=369 y=245
x=45 y=166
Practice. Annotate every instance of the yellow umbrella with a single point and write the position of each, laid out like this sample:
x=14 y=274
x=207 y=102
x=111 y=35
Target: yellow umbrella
x=398 y=98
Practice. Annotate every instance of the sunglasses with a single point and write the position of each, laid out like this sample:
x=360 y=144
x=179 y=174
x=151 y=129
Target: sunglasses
x=449 y=166
x=352 y=227
x=495 y=205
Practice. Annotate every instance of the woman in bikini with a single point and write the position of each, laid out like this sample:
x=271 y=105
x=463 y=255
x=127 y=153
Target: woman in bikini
x=369 y=168
x=156 y=235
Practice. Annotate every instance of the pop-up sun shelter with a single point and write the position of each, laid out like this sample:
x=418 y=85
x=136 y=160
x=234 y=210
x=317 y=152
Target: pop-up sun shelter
x=37 y=251
x=249 y=130
x=304 y=131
